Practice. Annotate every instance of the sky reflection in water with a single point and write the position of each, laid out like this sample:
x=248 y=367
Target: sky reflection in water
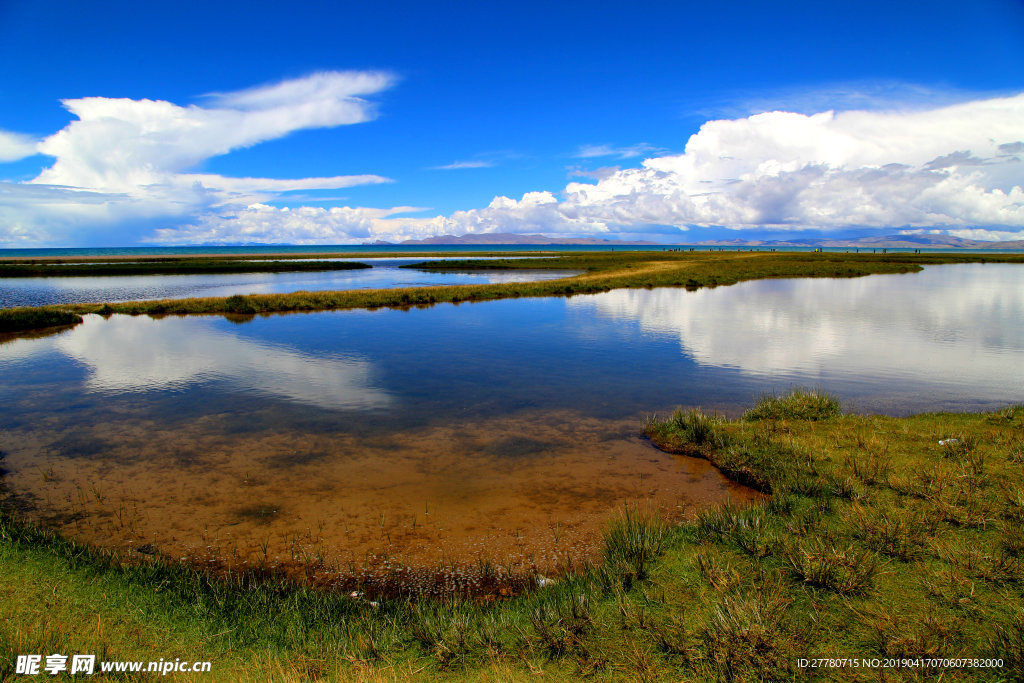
x=385 y=274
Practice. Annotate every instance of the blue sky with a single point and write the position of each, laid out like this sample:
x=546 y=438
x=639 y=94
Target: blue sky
x=431 y=111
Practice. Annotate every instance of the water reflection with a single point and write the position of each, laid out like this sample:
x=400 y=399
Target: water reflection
x=957 y=324
x=140 y=354
x=388 y=274
x=504 y=429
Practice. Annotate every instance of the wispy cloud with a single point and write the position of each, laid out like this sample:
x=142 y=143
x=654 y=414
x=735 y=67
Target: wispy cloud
x=874 y=95
x=633 y=151
x=457 y=165
x=15 y=146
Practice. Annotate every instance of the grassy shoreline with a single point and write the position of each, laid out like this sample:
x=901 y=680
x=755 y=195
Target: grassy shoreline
x=603 y=271
x=883 y=538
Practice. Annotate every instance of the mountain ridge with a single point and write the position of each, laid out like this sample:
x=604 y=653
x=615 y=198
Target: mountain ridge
x=883 y=242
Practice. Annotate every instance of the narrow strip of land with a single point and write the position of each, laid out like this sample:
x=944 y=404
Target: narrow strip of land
x=602 y=271
x=189 y=266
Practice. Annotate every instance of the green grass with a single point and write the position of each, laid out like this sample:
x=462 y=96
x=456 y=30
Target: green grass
x=874 y=542
x=602 y=271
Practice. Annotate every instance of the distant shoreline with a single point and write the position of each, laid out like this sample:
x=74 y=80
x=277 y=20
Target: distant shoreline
x=601 y=271
x=278 y=251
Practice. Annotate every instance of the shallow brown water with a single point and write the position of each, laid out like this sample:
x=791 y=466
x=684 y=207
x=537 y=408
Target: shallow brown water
x=529 y=492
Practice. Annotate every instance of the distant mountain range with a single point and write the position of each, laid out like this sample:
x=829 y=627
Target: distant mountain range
x=887 y=242
x=510 y=238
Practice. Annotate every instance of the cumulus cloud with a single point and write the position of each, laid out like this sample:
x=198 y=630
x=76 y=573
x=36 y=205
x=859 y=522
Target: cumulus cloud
x=948 y=166
x=262 y=223
x=137 y=153
x=955 y=168
x=15 y=146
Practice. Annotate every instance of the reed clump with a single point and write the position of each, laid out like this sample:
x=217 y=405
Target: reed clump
x=633 y=540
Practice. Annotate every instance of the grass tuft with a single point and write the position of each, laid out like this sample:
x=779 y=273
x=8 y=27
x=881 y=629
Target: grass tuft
x=746 y=640
x=632 y=541
x=798 y=404
x=825 y=565
x=689 y=431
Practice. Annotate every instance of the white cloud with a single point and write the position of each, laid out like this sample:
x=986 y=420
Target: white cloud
x=137 y=154
x=981 y=234
x=15 y=146
x=955 y=168
x=125 y=144
x=261 y=223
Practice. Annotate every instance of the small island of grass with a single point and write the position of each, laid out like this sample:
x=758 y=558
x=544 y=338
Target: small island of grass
x=602 y=271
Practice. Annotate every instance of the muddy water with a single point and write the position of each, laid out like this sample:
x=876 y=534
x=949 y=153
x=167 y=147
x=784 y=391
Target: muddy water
x=505 y=430
x=528 y=492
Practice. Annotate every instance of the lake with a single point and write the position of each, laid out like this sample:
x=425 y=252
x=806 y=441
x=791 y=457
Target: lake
x=504 y=430
x=386 y=273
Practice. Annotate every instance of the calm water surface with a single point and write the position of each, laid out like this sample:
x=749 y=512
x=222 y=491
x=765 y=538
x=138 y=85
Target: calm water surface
x=385 y=274
x=508 y=429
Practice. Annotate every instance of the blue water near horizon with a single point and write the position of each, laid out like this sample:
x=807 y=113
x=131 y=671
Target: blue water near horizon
x=57 y=252
x=385 y=273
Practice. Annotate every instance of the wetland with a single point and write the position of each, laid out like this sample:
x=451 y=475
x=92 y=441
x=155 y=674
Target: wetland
x=418 y=448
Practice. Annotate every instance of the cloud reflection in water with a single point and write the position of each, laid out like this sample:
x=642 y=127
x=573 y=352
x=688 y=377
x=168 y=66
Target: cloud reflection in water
x=961 y=324
x=136 y=354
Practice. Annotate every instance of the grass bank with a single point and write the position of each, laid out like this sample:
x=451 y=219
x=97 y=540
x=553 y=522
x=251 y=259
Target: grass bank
x=888 y=538
x=31 y=319
x=603 y=271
